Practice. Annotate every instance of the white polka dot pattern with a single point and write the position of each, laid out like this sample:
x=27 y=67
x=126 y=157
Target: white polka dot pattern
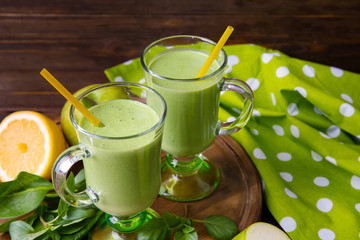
x=326 y=234
x=266 y=57
x=255 y=131
x=259 y=154
x=309 y=71
x=278 y=130
x=128 y=62
x=119 y=79
x=357 y=207
x=231 y=119
x=273 y=99
x=282 y=72
x=318 y=111
x=290 y=193
x=295 y=131
x=331 y=160
x=355 y=182
x=302 y=91
x=233 y=60
x=305 y=121
x=324 y=204
x=286 y=176
x=347 y=110
x=321 y=181
x=253 y=83
x=337 y=72
x=293 y=109
x=333 y=131
x=317 y=157
x=324 y=135
x=347 y=98
x=256 y=113
x=288 y=224
x=284 y=156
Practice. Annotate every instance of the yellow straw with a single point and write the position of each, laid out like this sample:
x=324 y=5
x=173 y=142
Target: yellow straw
x=215 y=51
x=61 y=89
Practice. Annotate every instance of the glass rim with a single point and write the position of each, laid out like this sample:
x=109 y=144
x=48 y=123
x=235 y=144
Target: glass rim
x=103 y=85
x=216 y=72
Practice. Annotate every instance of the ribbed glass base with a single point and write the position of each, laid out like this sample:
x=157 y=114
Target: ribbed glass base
x=188 y=179
x=116 y=228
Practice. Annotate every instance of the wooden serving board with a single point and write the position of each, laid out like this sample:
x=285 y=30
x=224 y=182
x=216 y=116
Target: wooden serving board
x=238 y=195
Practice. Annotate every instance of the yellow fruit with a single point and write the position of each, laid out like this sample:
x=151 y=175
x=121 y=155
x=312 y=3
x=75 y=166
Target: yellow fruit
x=98 y=96
x=66 y=126
x=31 y=142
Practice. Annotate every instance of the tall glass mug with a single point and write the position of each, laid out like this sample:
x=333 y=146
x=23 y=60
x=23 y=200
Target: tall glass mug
x=170 y=65
x=122 y=159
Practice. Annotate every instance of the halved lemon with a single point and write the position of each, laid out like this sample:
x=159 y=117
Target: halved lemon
x=31 y=142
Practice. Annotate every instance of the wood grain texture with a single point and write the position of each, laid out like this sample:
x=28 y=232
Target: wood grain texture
x=238 y=196
x=77 y=40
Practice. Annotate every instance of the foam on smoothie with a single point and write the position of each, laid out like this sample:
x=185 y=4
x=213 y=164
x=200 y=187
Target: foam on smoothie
x=121 y=117
x=181 y=64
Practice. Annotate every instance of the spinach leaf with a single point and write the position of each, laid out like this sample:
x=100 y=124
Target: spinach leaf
x=80 y=213
x=72 y=216
x=74 y=227
x=20 y=230
x=84 y=231
x=80 y=184
x=70 y=182
x=172 y=220
x=176 y=222
x=55 y=219
x=22 y=195
x=181 y=235
x=62 y=208
x=221 y=227
x=39 y=211
x=154 y=229
x=54 y=235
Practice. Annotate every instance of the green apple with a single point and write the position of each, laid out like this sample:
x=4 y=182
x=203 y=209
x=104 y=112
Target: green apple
x=261 y=231
x=95 y=97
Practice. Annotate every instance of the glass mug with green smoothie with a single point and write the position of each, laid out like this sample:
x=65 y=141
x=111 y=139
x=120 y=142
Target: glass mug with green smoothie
x=171 y=65
x=121 y=159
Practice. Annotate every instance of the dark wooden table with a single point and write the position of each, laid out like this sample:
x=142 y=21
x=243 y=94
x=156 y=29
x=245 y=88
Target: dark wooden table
x=77 y=40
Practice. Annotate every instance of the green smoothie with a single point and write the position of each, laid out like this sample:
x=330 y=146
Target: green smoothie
x=124 y=172
x=193 y=104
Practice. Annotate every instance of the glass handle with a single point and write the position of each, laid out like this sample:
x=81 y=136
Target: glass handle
x=240 y=87
x=60 y=171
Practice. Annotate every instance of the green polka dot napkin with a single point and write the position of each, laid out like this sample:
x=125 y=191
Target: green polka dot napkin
x=303 y=137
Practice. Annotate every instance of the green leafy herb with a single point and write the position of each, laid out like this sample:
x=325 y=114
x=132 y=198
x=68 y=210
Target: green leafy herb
x=186 y=233
x=218 y=226
x=80 y=184
x=70 y=182
x=24 y=231
x=22 y=195
x=85 y=230
x=176 y=222
x=173 y=221
x=48 y=217
x=154 y=229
